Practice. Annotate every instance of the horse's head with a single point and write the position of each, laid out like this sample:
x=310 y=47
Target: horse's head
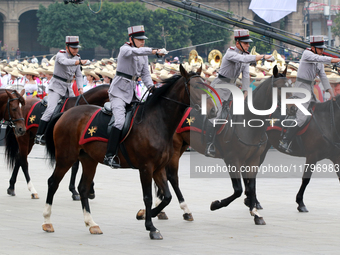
x=195 y=87
x=13 y=112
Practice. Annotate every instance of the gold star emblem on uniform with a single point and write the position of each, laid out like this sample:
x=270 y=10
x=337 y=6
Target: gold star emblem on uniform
x=32 y=118
x=92 y=130
x=190 y=120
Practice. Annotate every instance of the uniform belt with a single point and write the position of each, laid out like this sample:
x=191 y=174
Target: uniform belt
x=229 y=80
x=62 y=79
x=127 y=76
x=305 y=81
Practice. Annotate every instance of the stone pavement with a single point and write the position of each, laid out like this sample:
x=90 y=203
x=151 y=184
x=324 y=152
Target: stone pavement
x=229 y=230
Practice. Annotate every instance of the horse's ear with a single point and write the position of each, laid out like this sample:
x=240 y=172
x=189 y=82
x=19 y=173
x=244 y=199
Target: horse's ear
x=22 y=93
x=21 y=98
x=275 y=72
x=183 y=71
x=9 y=94
x=199 y=70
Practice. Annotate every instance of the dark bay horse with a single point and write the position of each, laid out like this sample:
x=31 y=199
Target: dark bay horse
x=19 y=147
x=149 y=145
x=10 y=110
x=238 y=146
x=320 y=141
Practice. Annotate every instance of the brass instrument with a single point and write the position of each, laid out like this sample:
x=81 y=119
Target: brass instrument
x=215 y=58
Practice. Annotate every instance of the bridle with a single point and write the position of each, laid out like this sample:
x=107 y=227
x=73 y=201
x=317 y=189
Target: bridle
x=197 y=107
x=10 y=120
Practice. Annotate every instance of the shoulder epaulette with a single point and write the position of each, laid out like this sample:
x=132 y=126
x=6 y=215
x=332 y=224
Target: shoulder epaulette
x=62 y=51
x=78 y=55
x=232 y=48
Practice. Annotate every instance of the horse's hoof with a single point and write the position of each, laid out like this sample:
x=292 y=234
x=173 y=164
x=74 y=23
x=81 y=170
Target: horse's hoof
x=95 y=230
x=258 y=206
x=156 y=235
x=140 y=215
x=188 y=217
x=34 y=196
x=215 y=205
x=162 y=216
x=48 y=227
x=302 y=208
x=246 y=202
x=92 y=196
x=259 y=220
x=75 y=197
x=10 y=192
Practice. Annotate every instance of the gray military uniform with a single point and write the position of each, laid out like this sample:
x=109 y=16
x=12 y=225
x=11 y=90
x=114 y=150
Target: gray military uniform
x=233 y=63
x=65 y=68
x=131 y=61
x=311 y=65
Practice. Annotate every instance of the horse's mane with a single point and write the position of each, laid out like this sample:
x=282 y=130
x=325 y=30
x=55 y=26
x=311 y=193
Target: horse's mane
x=167 y=83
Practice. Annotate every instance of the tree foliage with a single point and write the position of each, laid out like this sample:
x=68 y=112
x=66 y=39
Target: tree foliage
x=60 y=20
x=108 y=28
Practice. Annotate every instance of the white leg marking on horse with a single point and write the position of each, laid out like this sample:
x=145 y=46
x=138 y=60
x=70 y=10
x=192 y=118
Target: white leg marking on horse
x=157 y=201
x=255 y=212
x=88 y=219
x=47 y=213
x=31 y=188
x=184 y=207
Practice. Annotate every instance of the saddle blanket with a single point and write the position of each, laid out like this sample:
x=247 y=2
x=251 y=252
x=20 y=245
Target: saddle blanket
x=194 y=121
x=96 y=128
x=36 y=112
x=277 y=118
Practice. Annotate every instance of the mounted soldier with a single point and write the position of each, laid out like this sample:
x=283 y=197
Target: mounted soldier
x=235 y=61
x=311 y=64
x=132 y=64
x=67 y=64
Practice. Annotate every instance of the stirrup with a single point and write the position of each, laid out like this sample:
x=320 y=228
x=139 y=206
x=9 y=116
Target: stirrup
x=210 y=151
x=111 y=162
x=285 y=146
x=39 y=139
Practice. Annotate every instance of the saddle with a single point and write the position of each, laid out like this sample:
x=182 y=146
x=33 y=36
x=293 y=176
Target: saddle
x=100 y=124
x=277 y=124
x=38 y=109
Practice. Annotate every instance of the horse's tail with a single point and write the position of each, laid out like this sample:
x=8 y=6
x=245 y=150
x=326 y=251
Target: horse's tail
x=12 y=147
x=50 y=149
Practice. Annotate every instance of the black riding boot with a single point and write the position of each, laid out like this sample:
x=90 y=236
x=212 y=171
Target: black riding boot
x=112 y=147
x=210 y=150
x=287 y=138
x=40 y=136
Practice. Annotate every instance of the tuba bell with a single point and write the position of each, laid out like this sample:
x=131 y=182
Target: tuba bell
x=215 y=58
x=194 y=59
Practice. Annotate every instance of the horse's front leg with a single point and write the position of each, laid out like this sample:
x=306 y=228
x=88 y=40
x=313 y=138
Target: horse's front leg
x=146 y=181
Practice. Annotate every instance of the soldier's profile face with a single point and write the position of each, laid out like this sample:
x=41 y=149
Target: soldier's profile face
x=245 y=45
x=73 y=51
x=139 y=42
x=319 y=51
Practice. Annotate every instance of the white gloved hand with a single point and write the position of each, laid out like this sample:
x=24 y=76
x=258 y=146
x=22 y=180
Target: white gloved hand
x=88 y=62
x=163 y=51
x=272 y=59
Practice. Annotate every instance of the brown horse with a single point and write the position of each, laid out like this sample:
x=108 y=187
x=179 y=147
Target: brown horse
x=149 y=145
x=10 y=109
x=238 y=146
x=18 y=148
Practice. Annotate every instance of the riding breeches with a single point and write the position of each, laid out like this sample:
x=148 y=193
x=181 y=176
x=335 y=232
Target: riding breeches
x=118 y=110
x=53 y=99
